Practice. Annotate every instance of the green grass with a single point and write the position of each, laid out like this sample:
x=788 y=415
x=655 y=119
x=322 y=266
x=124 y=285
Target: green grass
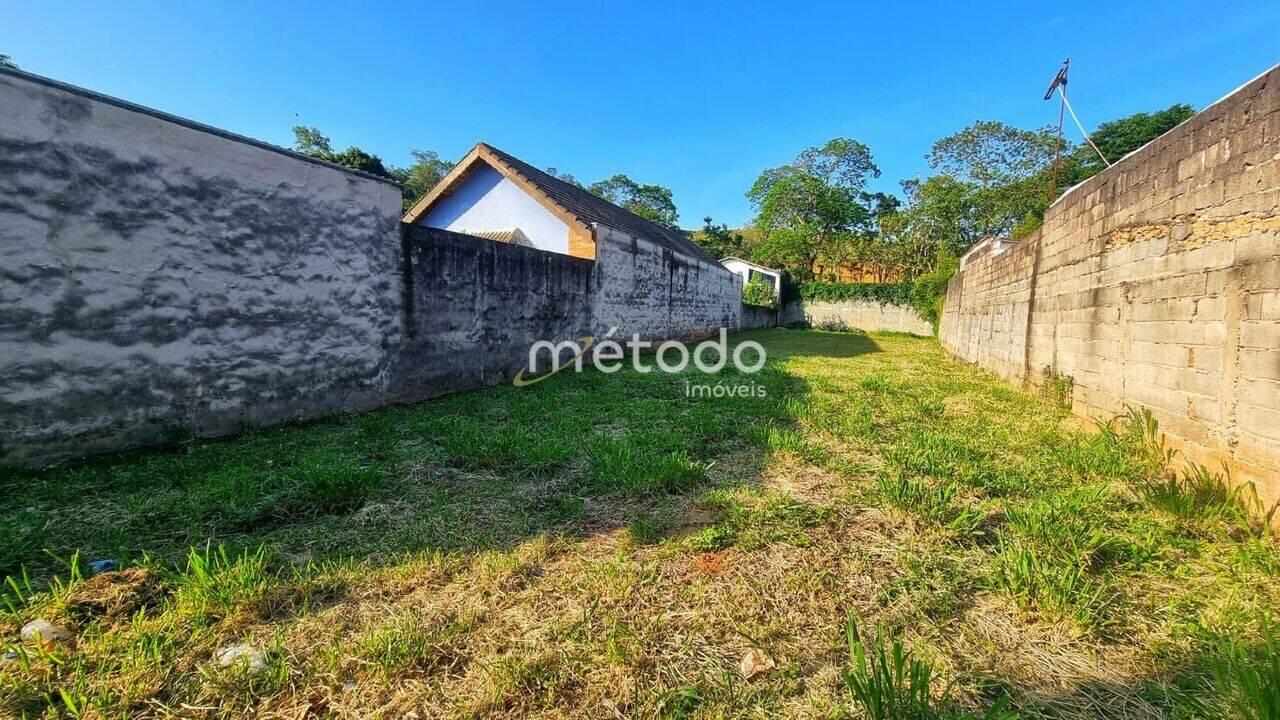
x=888 y=683
x=602 y=545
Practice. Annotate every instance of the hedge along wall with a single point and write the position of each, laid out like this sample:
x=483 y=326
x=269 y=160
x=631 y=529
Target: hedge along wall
x=872 y=307
x=1155 y=284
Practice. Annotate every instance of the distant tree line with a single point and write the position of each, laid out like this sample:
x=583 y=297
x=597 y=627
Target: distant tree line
x=815 y=214
x=652 y=202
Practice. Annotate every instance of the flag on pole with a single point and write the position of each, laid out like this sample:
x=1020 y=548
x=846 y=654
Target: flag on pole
x=1059 y=79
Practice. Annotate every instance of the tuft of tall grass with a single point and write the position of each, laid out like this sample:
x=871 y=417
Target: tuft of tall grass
x=1052 y=584
x=934 y=503
x=624 y=465
x=413 y=644
x=335 y=485
x=888 y=683
x=1241 y=683
x=1196 y=492
x=1249 y=682
x=1199 y=492
x=214 y=583
x=1065 y=525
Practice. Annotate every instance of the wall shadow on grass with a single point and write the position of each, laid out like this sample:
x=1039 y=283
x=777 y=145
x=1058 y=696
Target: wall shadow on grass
x=478 y=470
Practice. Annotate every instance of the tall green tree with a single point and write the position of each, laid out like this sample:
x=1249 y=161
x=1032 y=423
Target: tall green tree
x=417 y=179
x=564 y=176
x=720 y=240
x=813 y=208
x=1117 y=138
x=651 y=202
x=1006 y=171
x=310 y=141
x=990 y=153
x=939 y=216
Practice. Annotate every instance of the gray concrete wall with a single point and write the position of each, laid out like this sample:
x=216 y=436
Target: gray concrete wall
x=1154 y=284
x=475 y=306
x=644 y=288
x=855 y=315
x=757 y=316
x=161 y=275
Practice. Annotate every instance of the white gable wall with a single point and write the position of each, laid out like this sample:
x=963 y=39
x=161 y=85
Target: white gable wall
x=744 y=270
x=485 y=200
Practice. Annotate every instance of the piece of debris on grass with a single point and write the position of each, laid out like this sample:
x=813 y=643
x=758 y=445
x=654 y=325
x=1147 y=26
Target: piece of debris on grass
x=247 y=656
x=754 y=663
x=114 y=594
x=97 y=567
x=44 y=632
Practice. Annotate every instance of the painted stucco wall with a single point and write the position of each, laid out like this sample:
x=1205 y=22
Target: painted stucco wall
x=856 y=315
x=1155 y=284
x=159 y=276
x=485 y=200
x=475 y=306
x=644 y=288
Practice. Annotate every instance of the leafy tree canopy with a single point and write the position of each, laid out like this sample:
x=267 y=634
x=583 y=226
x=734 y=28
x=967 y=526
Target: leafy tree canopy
x=566 y=177
x=720 y=240
x=991 y=153
x=815 y=207
x=1118 y=138
x=651 y=202
x=426 y=170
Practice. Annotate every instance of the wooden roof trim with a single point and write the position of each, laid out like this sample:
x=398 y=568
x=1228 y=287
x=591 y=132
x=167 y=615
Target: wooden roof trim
x=483 y=153
x=537 y=193
x=446 y=184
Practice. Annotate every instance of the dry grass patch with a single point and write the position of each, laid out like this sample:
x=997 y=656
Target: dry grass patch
x=604 y=546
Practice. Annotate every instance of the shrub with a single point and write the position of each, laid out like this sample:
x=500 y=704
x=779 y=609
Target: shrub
x=930 y=289
x=884 y=293
x=759 y=292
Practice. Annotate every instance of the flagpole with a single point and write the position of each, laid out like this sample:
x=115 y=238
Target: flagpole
x=1058 y=80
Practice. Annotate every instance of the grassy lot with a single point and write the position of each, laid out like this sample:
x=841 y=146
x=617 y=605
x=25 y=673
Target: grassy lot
x=894 y=533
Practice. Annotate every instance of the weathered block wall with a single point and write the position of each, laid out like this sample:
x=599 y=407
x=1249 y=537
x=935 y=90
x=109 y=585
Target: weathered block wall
x=1156 y=284
x=757 y=316
x=856 y=315
x=984 y=319
x=474 y=308
x=158 y=274
x=644 y=288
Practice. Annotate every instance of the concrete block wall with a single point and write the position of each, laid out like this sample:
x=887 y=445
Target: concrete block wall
x=856 y=315
x=757 y=316
x=1155 y=284
x=984 y=318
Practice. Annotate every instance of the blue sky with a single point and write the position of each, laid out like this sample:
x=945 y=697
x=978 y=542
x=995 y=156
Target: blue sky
x=698 y=98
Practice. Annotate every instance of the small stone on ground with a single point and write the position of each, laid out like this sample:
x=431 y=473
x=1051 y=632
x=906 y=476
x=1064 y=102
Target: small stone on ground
x=754 y=663
x=44 y=632
x=251 y=657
